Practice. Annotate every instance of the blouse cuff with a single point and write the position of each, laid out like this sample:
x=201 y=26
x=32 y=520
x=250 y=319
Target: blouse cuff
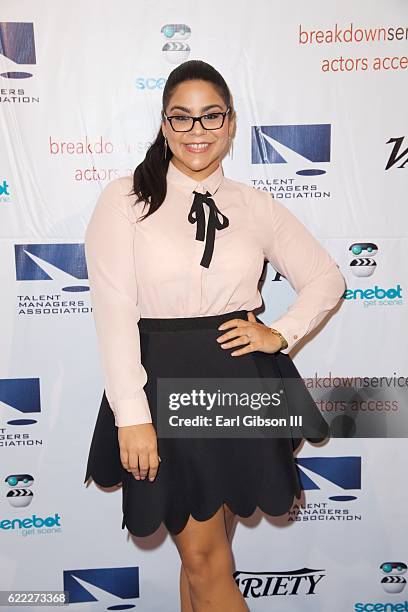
x=290 y=330
x=132 y=411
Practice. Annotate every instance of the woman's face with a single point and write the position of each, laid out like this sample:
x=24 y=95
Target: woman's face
x=196 y=98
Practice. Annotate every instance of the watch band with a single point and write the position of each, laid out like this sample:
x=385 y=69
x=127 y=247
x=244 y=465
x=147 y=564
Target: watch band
x=284 y=343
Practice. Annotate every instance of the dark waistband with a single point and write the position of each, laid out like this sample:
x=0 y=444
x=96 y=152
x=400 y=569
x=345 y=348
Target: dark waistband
x=147 y=324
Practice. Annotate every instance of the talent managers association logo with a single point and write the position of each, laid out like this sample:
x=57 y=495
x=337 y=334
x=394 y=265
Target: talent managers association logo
x=306 y=147
x=61 y=262
x=20 y=402
x=340 y=477
x=17 y=46
x=334 y=483
x=61 y=265
x=106 y=588
x=21 y=395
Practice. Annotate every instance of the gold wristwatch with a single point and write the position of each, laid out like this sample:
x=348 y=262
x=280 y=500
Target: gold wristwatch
x=284 y=343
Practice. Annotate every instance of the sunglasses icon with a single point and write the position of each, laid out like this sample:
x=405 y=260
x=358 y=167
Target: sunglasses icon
x=172 y=29
x=358 y=247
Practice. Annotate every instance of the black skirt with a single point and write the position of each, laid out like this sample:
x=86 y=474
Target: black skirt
x=197 y=475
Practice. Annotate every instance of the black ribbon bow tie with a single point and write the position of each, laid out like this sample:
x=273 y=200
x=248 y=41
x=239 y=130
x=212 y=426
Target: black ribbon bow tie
x=197 y=215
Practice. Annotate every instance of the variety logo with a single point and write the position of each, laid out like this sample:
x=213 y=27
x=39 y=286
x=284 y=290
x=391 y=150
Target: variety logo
x=269 y=269
x=17 y=46
x=397 y=156
x=21 y=395
x=62 y=264
x=111 y=588
x=19 y=495
x=267 y=584
x=306 y=147
x=338 y=478
x=363 y=266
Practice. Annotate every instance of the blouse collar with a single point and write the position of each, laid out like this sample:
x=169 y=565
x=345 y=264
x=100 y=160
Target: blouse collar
x=187 y=184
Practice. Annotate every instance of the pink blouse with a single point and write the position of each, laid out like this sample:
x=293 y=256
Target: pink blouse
x=157 y=268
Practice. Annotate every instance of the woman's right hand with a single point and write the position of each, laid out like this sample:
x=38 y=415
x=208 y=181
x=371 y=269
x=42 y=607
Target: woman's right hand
x=138 y=450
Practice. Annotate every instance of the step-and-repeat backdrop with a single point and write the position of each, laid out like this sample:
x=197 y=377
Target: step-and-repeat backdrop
x=321 y=98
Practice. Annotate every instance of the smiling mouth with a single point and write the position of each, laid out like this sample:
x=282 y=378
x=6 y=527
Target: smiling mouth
x=197 y=147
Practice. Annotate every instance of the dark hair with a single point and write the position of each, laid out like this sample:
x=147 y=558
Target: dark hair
x=149 y=177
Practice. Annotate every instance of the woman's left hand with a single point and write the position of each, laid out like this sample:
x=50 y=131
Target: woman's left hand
x=255 y=336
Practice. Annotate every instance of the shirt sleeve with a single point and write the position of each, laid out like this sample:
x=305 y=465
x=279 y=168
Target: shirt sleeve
x=296 y=254
x=114 y=297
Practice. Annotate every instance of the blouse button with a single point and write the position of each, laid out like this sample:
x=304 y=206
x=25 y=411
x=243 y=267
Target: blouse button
x=295 y=337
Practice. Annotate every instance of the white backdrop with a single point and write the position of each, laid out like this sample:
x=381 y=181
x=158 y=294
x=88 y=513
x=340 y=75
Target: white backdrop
x=322 y=125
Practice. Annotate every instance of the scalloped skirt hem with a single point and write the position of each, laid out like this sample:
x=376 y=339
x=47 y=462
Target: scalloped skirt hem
x=197 y=475
x=175 y=527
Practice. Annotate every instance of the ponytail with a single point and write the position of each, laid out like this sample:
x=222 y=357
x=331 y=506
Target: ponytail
x=149 y=177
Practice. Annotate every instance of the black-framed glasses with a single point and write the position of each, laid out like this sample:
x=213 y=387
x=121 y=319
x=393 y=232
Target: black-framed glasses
x=209 y=121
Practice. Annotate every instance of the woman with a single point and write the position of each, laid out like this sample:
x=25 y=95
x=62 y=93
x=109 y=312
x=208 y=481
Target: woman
x=174 y=279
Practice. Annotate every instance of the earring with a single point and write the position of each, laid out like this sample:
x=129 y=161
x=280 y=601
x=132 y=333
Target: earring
x=231 y=149
x=165 y=147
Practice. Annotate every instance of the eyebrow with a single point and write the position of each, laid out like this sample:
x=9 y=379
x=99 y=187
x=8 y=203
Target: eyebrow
x=188 y=110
